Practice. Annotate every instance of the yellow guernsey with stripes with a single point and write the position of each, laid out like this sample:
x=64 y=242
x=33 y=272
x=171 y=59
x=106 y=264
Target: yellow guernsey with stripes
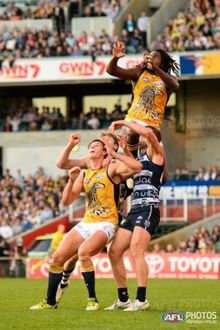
x=149 y=100
x=101 y=197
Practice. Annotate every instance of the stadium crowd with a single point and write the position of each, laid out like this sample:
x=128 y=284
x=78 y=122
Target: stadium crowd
x=62 y=10
x=28 y=201
x=196 y=28
x=24 y=117
x=202 y=174
x=202 y=241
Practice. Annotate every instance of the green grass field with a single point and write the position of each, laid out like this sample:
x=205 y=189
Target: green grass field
x=17 y=295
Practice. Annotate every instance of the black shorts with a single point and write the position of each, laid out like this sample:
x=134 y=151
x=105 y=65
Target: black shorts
x=147 y=217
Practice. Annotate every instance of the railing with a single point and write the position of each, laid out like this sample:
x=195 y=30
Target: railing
x=91 y=24
x=37 y=24
x=189 y=209
x=12 y=266
x=186 y=209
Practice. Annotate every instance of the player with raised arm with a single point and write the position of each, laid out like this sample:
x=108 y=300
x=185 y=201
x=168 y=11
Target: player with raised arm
x=144 y=217
x=152 y=86
x=101 y=186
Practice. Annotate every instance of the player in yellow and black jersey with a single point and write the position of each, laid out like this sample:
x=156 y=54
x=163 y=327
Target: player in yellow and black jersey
x=152 y=86
x=98 y=226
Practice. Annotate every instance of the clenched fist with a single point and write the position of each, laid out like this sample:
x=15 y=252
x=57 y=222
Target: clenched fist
x=74 y=139
x=74 y=172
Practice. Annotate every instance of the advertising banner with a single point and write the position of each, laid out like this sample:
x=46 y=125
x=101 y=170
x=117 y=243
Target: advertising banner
x=61 y=69
x=84 y=68
x=163 y=265
x=190 y=188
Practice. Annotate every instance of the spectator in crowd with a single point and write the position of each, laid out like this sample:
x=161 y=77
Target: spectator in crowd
x=200 y=242
x=182 y=247
x=157 y=248
x=177 y=174
x=214 y=173
x=6 y=230
x=59 y=17
x=93 y=122
x=130 y=24
x=4 y=257
x=194 y=29
x=169 y=248
x=184 y=175
x=192 y=245
x=142 y=23
x=216 y=234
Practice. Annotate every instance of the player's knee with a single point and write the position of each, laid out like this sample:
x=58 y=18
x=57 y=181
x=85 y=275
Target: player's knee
x=115 y=254
x=137 y=250
x=84 y=253
x=57 y=259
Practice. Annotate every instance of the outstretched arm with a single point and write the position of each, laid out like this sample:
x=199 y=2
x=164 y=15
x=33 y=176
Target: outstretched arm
x=118 y=51
x=64 y=162
x=73 y=187
x=141 y=130
x=126 y=165
x=170 y=81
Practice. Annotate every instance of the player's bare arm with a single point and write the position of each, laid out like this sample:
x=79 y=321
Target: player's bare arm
x=170 y=81
x=118 y=51
x=65 y=162
x=125 y=167
x=123 y=145
x=158 y=151
x=73 y=187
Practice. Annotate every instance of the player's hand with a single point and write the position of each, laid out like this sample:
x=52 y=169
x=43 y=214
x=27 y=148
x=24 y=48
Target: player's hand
x=122 y=142
x=115 y=125
x=74 y=139
x=118 y=49
x=108 y=145
x=148 y=62
x=74 y=172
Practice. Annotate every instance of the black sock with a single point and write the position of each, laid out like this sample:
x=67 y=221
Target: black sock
x=141 y=293
x=65 y=277
x=123 y=294
x=89 y=278
x=53 y=282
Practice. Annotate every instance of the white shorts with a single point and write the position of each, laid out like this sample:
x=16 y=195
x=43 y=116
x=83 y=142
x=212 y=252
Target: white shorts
x=137 y=121
x=87 y=229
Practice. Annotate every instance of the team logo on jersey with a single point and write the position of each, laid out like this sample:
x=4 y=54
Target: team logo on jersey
x=147 y=223
x=139 y=219
x=100 y=176
x=146 y=79
x=159 y=84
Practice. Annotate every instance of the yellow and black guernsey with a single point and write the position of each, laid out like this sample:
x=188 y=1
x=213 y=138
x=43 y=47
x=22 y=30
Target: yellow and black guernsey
x=149 y=100
x=102 y=196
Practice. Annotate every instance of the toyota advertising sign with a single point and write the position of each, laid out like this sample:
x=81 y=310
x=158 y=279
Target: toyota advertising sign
x=163 y=265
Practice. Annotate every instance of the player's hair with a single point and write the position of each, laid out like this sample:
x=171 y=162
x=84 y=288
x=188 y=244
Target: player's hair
x=168 y=63
x=114 y=137
x=156 y=132
x=96 y=140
